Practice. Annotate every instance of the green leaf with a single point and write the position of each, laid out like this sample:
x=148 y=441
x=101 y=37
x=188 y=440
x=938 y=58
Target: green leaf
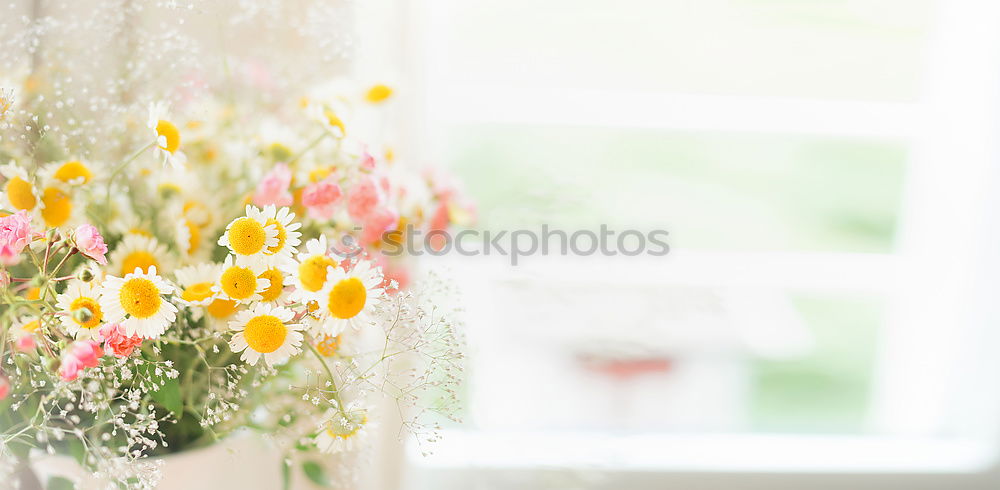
x=78 y=451
x=59 y=483
x=286 y=473
x=169 y=395
x=315 y=472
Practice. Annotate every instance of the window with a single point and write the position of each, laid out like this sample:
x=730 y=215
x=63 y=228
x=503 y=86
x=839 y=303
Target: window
x=826 y=171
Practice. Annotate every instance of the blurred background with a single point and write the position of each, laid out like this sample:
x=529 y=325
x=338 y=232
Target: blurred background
x=827 y=316
x=828 y=172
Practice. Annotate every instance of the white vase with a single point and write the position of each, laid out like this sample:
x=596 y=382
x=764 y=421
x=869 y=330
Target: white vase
x=240 y=461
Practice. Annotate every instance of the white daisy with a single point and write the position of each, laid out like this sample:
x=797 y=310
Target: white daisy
x=348 y=297
x=168 y=137
x=136 y=301
x=241 y=282
x=276 y=284
x=264 y=331
x=82 y=308
x=342 y=432
x=250 y=236
x=24 y=326
x=70 y=173
x=195 y=283
x=57 y=206
x=19 y=191
x=201 y=208
x=138 y=250
x=308 y=273
x=288 y=236
x=188 y=238
x=220 y=312
x=330 y=116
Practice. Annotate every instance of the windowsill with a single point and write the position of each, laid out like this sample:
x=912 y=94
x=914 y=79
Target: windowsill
x=723 y=453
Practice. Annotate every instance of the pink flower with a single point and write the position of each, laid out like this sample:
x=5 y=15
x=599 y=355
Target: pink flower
x=367 y=160
x=4 y=386
x=439 y=223
x=273 y=188
x=363 y=199
x=25 y=343
x=320 y=199
x=378 y=222
x=393 y=270
x=90 y=243
x=79 y=356
x=117 y=342
x=15 y=234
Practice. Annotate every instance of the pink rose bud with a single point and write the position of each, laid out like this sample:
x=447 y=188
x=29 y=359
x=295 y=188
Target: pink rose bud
x=79 y=356
x=363 y=198
x=4 y=386
x=15 y=234
x=367 y=160
x=115 y=340
x=25 y=343
x=320 y=199
x=90 y=243
x=379 y=222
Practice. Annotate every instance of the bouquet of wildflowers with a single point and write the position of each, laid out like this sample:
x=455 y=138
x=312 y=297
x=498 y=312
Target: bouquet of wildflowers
x=225 y=271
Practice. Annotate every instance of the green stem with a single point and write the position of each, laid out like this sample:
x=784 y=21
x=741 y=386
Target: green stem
x=333 y=381
x=118 y=170
x=309 y=147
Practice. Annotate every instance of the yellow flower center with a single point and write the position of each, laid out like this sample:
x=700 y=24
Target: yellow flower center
x=141 y=259
x=194 y=236
x=140 y=298
x=19 y=193
x=334 y=120
x=246 y=236
x=170 y=132
x=282 y=236
x=222 y=308
x=140 y=232
x=168 y=188
x=58 y=207
x=32 y=326
x=239 y=282
x=197 y=212
x=312 y=272
x=73 y=170
x=378 y=93
x=347 y=298
x=197 y=292
x=279 y=152
x=33 y=293
x=90 y=305
x=274 y=290
x=328 y=345
x=319 y=173
x=265 y=333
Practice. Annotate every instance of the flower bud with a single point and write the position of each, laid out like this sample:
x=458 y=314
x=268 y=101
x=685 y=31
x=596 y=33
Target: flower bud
x=86 y=275
x=82 y=315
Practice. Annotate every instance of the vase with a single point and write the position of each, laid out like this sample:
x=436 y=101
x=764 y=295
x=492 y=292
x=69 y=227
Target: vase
x=244 y=460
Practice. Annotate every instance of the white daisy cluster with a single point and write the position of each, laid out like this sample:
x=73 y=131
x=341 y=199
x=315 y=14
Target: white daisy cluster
x=173 y=260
